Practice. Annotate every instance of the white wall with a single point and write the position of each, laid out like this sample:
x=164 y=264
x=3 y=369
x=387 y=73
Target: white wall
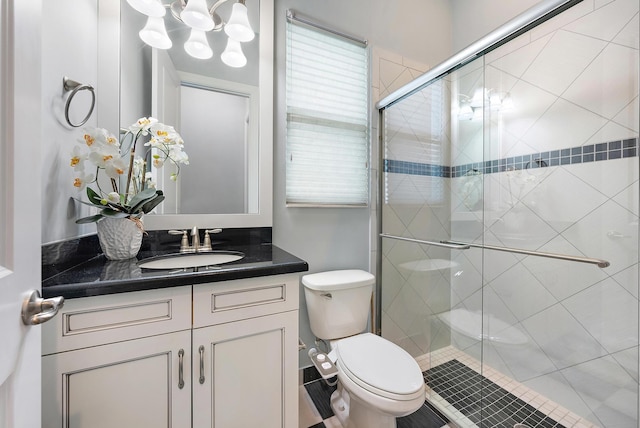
x=64 y=53
x=339 y=238
x=473 y=19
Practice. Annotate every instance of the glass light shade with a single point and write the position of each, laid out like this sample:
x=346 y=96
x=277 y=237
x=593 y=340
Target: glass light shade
x=232 y=55
x=495 y=102
x=155 y=34
x=148 y=7
x=238 y=27
x=507 y=102
x=196 y=15
x=477 y=114
x=197 y=46
x=465 y=112
x=478 y=98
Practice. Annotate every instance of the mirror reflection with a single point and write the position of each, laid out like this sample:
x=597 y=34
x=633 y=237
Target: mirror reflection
x=214 y=106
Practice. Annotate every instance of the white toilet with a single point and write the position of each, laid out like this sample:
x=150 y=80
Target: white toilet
x=377 y=380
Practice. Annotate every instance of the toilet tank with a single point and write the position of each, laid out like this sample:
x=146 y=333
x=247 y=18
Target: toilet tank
x=338 y=302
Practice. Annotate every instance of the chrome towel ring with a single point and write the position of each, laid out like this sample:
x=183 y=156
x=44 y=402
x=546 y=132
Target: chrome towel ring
x=75 y=87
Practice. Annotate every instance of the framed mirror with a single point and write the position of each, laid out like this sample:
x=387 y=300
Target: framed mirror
x=223 y=113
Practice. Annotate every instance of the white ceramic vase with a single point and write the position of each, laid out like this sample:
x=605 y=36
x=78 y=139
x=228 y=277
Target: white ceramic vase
x=120 y=238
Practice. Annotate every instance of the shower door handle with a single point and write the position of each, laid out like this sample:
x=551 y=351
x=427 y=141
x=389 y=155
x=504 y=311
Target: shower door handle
x=599 y=262
x=443 y=244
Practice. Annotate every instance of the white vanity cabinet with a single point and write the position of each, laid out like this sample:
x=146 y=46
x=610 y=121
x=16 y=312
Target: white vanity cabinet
x=221 y=354
x=119 y=360
x=245 y=353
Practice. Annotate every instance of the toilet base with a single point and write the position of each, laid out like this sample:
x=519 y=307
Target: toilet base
x=353 y=413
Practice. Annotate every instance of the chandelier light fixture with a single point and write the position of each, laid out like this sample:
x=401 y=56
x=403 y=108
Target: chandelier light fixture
x=201 y=18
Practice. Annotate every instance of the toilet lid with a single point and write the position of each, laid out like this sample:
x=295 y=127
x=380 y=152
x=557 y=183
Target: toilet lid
x=379 y=365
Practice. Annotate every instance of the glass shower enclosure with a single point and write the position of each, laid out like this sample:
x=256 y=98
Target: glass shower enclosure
x=509 y=204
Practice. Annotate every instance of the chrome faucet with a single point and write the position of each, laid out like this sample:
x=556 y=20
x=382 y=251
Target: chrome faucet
x=195 y=239
x=195 y=246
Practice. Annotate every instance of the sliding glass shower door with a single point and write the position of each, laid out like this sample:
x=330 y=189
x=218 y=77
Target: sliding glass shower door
x=509 y=249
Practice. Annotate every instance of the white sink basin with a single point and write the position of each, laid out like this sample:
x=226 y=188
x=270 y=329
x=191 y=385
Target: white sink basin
x=181 y=261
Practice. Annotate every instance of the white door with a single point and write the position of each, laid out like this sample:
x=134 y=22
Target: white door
x=19 y=210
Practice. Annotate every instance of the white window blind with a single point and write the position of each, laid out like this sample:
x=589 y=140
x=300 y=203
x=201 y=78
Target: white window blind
x=327 y=119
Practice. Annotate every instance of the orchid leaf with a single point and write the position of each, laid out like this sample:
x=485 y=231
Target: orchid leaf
x=151 y=194
x=140 y=199
x=150 y=205
x=109 y=212
x=90 y=219
x=86 y=203
x=93 y=197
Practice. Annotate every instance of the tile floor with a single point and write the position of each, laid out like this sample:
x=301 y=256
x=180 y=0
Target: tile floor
x=315 y=411
x=540 y=411
x=509 y=401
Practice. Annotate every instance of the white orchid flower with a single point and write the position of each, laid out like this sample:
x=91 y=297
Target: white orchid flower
x=158 y=161
x=154 y=143
x=138 y=165
x=103 y=155
x=178 y=156
x=143 y=125
x=81 y=181
x=111 y=141
x=162 y=132
x=78 y=156
x=92 y=136
x=116 y=168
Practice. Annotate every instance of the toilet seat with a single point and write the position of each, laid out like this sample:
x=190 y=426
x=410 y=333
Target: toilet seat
x=380 y=367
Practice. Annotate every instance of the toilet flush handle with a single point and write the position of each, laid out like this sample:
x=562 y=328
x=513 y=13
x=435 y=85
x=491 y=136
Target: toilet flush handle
x=327 y=296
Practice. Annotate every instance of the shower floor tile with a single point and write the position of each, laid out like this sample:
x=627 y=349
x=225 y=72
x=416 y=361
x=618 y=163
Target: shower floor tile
x=454 y=381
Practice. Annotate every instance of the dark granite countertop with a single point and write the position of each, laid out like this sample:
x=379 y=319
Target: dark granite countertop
x=77 y=268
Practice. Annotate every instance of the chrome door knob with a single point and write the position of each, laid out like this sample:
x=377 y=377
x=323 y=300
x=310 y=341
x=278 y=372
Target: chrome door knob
x=36 y=310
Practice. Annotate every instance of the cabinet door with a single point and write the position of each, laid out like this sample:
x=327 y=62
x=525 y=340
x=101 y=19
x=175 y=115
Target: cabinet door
x=127 y=384
x=245 y=373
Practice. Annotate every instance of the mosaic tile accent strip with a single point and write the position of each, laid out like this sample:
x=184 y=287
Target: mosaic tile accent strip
x=416 y=168
x=482 y=401
x=581 y=154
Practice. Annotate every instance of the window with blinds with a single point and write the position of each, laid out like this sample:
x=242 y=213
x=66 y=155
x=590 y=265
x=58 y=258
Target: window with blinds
x=327 y=119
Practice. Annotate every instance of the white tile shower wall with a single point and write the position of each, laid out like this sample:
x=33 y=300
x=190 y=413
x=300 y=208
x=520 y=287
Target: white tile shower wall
x=573 y=84
x=580 y=83
x=389 y=71
x=415 y=206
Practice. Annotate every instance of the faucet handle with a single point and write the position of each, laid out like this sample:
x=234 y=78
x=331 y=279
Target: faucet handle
x=206 y=245
x=184 y=243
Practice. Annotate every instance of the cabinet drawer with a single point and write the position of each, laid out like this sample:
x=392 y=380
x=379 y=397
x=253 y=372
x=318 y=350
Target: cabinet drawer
x=222 y=302
x=98 y=320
